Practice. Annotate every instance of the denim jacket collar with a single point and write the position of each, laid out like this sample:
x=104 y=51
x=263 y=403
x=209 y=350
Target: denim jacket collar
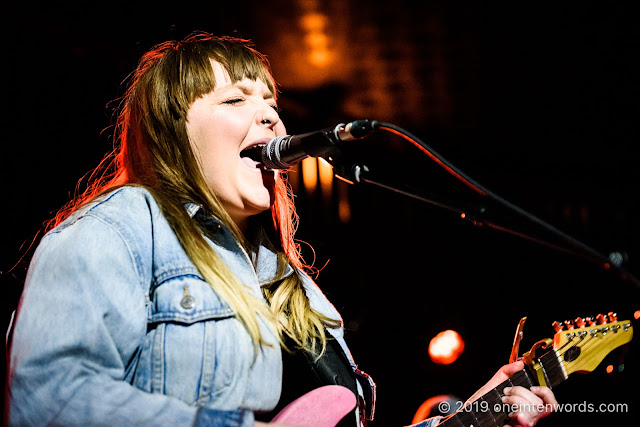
x=264 y=258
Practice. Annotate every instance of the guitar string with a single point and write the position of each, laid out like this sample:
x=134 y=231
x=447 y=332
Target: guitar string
x=520 y=376
x=590 y=358
x=594 y=336
x=583 y=345
x=557 y=357
x=581 y=341
x=586 y=346
x=558 y=353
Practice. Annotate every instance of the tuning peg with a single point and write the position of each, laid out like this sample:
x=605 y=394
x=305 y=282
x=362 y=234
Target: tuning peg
x=613 y=317
x=579 y=322
x=601 y=318
x=568 y=324
x=590 y=320
x=557 y=326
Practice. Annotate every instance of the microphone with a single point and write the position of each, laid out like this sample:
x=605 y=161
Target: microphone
x=285 y=151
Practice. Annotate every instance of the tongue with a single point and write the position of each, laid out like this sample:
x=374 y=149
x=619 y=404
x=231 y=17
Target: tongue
x=250 y=162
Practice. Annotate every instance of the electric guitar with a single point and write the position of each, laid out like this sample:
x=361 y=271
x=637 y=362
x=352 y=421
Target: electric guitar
x=578 y=348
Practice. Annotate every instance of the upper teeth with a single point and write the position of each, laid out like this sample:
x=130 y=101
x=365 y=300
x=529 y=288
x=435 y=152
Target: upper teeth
x=254 y=152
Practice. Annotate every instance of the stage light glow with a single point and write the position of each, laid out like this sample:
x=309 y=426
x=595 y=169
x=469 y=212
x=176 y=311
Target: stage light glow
x=325 y=172
x=313 y=22
x=442 y=404
x=310 y=173
x=446 y=347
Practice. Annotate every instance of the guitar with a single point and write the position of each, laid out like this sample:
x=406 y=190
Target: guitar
x=323 y=407
x=578 y=348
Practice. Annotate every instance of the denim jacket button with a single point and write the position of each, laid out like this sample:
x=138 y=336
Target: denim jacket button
x=188 y=302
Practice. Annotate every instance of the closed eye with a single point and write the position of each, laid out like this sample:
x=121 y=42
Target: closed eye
x=233 y=101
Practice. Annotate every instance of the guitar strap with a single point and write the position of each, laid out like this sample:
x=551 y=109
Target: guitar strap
x=302 y=373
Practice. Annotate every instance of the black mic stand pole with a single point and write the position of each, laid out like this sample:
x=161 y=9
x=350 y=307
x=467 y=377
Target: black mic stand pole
x=354 y=173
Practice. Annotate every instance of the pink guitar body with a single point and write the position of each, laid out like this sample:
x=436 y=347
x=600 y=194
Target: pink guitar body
x=322 y=407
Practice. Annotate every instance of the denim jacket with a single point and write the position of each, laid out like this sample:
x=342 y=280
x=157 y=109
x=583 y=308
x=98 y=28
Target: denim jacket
x=117 y=327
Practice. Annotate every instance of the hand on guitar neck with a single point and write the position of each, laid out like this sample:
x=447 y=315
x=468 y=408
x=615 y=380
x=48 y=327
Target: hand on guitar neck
x=533 y=404
x=520 y=392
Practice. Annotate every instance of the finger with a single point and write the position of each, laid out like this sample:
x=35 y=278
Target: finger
x=523 y=419
x=546 y=395
x=522 y=409
x=512 y=368
x=500 y=376
x=524 y=393
x=518 y=404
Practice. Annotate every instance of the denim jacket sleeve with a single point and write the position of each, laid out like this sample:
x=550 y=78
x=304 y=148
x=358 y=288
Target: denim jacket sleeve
x=82 y=317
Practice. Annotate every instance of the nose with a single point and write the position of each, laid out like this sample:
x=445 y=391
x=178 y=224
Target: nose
x=268 y=117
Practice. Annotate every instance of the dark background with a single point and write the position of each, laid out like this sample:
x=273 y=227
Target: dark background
x=539 y=103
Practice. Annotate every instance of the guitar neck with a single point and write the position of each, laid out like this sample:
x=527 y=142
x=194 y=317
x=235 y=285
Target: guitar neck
x=489 y=411
x=574 y=350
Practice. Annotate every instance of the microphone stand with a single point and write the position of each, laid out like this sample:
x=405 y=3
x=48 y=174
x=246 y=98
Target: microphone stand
x=356 y=173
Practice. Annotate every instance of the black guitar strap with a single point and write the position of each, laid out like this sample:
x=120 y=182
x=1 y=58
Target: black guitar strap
x=302 y=373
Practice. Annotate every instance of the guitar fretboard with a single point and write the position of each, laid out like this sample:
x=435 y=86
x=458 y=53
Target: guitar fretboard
x=489 y=411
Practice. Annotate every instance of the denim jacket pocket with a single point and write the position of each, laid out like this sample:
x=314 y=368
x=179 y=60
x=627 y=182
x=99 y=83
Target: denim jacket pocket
x=182 y=352
x=181 y=296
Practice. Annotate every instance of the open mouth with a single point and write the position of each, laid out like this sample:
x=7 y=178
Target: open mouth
x=252 y=156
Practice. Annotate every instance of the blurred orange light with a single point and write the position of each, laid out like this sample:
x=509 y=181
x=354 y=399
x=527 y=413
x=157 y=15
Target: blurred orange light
x=344 y=208
x=316 y=40
x=310 y=173
x=325 y=170
x=609 y=369
x=344 y=211
x=313 y=22
x=636 y=315
x=433 y=405
x=319 y=57
x=446 y=347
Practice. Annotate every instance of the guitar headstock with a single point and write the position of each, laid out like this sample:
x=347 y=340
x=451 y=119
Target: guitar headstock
x=583 y=343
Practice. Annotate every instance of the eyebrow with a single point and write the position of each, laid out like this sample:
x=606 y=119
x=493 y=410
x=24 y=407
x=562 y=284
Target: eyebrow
x=247 y=90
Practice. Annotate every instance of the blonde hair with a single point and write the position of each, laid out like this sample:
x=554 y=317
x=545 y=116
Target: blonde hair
x=153 y=151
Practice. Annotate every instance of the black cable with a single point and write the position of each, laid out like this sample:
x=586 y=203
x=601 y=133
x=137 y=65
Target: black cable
x=485 y=192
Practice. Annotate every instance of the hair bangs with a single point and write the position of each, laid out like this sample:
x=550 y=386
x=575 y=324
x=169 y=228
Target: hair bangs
x=241 y=61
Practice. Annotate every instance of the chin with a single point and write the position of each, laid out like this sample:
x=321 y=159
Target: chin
x=259 y=205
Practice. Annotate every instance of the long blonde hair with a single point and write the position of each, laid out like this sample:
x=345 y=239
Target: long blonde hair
x=152 y=150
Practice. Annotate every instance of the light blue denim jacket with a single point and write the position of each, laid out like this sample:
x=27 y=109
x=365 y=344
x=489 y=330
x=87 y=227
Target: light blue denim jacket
x=117 y=327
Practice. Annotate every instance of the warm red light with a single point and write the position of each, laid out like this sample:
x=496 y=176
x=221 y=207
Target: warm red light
x=636 y=315
x=609 y=369
x=427 y=408
x=446 y=347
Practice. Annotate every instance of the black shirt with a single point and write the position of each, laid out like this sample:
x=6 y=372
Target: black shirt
x=301 y=373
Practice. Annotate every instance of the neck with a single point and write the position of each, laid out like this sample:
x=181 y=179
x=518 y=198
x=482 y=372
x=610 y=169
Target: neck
x=242 y=223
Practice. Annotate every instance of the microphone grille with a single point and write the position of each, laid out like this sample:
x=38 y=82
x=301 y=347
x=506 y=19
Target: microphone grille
x=271 y=154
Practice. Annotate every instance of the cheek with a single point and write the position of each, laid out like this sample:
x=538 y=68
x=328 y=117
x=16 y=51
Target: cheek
x=215 y=145
x=280 y=129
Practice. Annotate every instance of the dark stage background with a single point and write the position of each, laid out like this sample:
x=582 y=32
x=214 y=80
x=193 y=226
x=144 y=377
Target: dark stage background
x=539 y=103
